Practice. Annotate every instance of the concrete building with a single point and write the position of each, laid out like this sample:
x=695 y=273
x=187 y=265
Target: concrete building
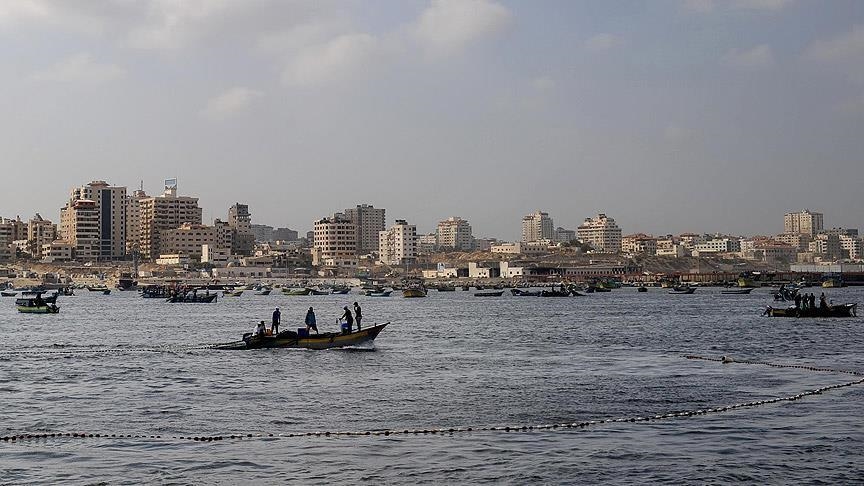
x=240 y=222
x=533 y=248
x=285 y=234
x=165 y=212
x=601 y=233
x=427 y=244
x=262 y=232
x=563 y=235
x=369 y=222
x=188 y=240
x=639 y=244
x=718 y=245
x=690 y=240
x=335 y=239
x=111 y=203
x=851 y=247
x=398 y=245
x=537 y=226
x=133 y=221
x=57 y=251
x=10 y=231
x=805 y=223
x=454 y=233
x=218 y=257
x=39 y=233
x=797 y=240
x=79 y=226
x=827 y=247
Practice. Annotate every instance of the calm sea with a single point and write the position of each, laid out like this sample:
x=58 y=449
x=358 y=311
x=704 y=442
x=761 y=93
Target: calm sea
x=120 y=364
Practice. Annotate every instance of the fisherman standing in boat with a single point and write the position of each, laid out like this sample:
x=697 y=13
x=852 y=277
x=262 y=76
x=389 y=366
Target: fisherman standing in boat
x=349 y=319
x=797 y=301
x=358 y=314
x=310 y=321
x=277 y=317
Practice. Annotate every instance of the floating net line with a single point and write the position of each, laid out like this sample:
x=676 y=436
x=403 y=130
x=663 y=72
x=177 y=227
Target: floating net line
x=561 y=426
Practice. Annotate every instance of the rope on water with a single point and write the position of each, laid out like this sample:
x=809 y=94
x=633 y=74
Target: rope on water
x=79 y=351
x=462 y=430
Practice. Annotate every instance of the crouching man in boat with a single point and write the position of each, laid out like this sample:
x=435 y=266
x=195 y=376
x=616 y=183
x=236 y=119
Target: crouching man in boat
x=261 y=329
x=310 y=321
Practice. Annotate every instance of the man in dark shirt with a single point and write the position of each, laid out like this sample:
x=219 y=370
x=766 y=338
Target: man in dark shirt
x=277 y=317
x=349 y=319
x=358 y=314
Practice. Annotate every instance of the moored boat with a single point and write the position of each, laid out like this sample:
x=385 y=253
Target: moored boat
x=642 y=288
x=738 y=291
x=840 y=310
x=263 y=292
x=683 y=290
x=378 y=293
x=296 y=291
x=8 y=293
x=232 y=293
x=192 y=298
x=36 y=306
x=414 y=292
x=525 y=293
x=291 y=339
x=497 y=293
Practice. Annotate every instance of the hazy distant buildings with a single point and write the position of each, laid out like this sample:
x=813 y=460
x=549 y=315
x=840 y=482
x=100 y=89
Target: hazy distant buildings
x=39 y=233
x=601 y=233
x=454 y=233
x=264 y=233
x=563 y=235
x=427 y=244
x=639 y=244
x=805 y=223
x=94 y=221
x=10 y=230
x=240 y=222
x=398 y=244
x=285 y=234
x=369 y=222
x=537 y=226
x=165 y=212
x=335 y=241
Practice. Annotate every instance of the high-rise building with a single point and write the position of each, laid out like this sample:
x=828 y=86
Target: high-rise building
x=133 y=221
x=335 y=238
x=285 y=234
x=602 y=233
x=805 y=223
x=455 y=233
x=240 y=221
x=79 y=226
x=40 y=232
x=398 y=244
x=262 y=232
x=10 y=230
x=537 y=226
x=369 y=222
x=110 y=202
x=165 y=212
x=564 y=235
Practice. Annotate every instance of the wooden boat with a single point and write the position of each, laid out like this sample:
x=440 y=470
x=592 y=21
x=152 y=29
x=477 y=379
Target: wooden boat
x=414 y=292
x=840 y=310
x=446 y=288
x=291 y=339
x=682 y=290
x=642 y=288
x=295 y=291
x=8 y=293
x=378 y=293
x=497 y=293
x=555 y=293
x=525 y=293
x=340 y=290
x=97 y=288
x=232 y=293
x=30 y=306
x=319 y=291
x=192 y=298
x=739 y=291
x=106 y=292
x=27 y=297
x=746 y=283
x=832 y=283
x=263 y=292
x=126 y=283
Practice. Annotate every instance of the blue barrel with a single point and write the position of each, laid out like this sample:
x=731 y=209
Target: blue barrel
x=302 y=332
x=346 y=328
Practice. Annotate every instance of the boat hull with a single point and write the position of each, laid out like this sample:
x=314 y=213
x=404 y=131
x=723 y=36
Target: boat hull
x=42 y=309
x=740 y=291
x=412 y=293
x=290 y=339
x=842 y=310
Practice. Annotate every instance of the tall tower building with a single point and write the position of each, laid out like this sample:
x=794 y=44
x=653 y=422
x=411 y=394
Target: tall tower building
x=79 y=225
x=166 y=212
x=335 y=238
x=803 y=223
x=369 y=222
x=455 y=233
x=110 y=203
x=602 y=233
x=240 y=221
x=537 y=226
x=398 y=244
x=133 y=220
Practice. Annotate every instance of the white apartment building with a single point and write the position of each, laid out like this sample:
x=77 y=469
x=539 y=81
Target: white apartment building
x=133 y=220
x=427 y=243
x=57 y=251
x=369 y=222
x=398 y=244
x=334 y=239
x=39 y=233
x=455 y=233
x=797 y=240
x=851 y=246
x=804 y=222
x=537 y=226
x=188 y=240
x=719 y=245
x=111 y=203
x=165 y=212
x=79 y=225
x=564 y=235
x=639 y=244
x=602 y=233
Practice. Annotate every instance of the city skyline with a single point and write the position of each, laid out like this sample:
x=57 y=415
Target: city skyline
x=671 y=117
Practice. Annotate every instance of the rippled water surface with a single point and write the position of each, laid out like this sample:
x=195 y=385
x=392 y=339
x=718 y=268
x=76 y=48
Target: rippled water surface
x=120 y=364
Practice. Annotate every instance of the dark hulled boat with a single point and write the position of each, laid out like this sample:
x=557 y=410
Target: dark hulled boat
x=840 y=310
x=525 y=293
x=192 y=298
x=738 y=291
x=291 y=339
x=497 y=293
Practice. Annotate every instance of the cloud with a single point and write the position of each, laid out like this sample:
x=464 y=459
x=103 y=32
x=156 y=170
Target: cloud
x=602 y=42
x=447 y=26
x=229 y=103
x=706 y=6
x=331 y=60
x=843 y=47
x=677 y=134
x=80 y=68
x=757 y=57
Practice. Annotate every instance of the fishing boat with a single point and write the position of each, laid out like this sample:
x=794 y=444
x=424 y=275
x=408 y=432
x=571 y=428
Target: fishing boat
x=555 y=293
x=746 y=283
x=525 y=293
x=300 y=339
x=192 y=298
x=232 y=293
x=106 y=292
x=97 y=288
x=497 y=293
x=127 y=283
x=445 y=288
x=8 y=293
x=296 y=291
x=378 y=293
x=738 y=291
x=32 y=306
x=319 y=291
x=840 y=310
x=414 y=291
x=682 y=290
x=832 y=283
x=642 y=288
x=263 y=292
x=48 y=298
x=340 y=290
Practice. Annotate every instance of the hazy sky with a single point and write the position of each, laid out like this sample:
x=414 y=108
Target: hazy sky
x=668 y=115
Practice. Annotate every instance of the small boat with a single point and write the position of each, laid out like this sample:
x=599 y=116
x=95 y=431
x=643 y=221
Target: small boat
x=291 y=339
x=746 y=283
x=106 y=292
x=296 y=291
x=446 y=288
x=832 y=283
x=414 y=292
x=378 y=293
x=97 y=288
x=8 y=293
x=232 y=293
x=28 y=296
x=263 y=292
x=642 y=288
x=127 y=283
x=319 y=291
x=738 y=291
x=192 y=298
x=497 y=293
x=840 y=310
x=32 y=308
x=340 y=290
x=555 y=293
x=524 y=293
x=682 y=290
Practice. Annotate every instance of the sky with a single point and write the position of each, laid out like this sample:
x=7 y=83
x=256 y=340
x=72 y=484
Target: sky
x=669 y=116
